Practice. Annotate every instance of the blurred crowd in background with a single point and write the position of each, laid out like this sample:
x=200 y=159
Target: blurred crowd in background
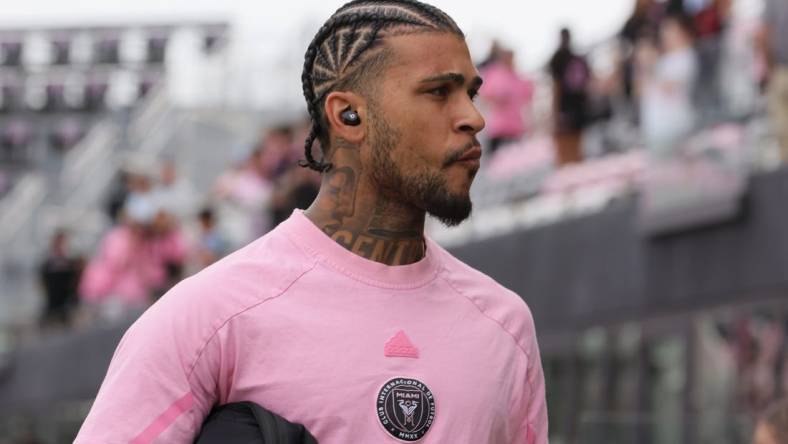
x=164 y=230
x=674 y=69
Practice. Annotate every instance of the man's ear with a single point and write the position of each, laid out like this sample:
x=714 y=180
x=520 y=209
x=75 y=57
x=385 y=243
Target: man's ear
x=339 y=102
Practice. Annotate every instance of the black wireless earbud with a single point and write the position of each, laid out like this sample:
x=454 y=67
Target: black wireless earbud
x=350 y=117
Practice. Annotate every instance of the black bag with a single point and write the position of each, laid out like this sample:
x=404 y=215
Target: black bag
x=248 y=423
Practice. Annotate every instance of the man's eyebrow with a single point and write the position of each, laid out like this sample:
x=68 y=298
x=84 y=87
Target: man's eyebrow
x=454 y=77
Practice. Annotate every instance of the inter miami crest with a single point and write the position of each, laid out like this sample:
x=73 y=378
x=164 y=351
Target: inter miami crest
x=406 y=408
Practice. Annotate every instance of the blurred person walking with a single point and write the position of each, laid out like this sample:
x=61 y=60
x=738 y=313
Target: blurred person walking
x=118 y=193
x=571 y=80
x=774 y=42
x=140 y=182
x=210 y=245
x=508 y=96
x=492 y=55
x=666 y=77
x=174 y=193
x=59 y=273
x=643 y=23
x=243 y=195
x=346 y=318
x=169 y=248
x=710 y=24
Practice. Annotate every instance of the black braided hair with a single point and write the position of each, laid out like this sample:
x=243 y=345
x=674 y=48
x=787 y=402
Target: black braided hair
x=344 y=43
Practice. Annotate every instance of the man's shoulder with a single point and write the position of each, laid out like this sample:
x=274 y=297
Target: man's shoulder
x=492 y=299
x=250 y=276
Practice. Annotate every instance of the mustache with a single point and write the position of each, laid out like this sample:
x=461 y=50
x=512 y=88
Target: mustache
x=455 y=155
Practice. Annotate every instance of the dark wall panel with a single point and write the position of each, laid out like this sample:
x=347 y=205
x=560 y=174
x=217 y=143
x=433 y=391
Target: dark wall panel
x=598 y=269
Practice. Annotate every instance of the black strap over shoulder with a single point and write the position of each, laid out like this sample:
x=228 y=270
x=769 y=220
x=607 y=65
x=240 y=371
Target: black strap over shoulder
x=248 y=423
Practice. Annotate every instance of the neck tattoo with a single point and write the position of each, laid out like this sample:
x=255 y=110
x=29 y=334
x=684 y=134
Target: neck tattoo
x=362 y=221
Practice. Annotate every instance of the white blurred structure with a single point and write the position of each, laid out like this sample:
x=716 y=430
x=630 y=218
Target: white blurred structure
x=262 y=67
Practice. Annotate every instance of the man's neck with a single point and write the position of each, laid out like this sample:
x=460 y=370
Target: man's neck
x=363 y=221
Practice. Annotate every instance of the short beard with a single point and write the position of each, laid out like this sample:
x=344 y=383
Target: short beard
x=423 y=188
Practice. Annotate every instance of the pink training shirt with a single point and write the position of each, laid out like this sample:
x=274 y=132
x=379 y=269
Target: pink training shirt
x=357 y=351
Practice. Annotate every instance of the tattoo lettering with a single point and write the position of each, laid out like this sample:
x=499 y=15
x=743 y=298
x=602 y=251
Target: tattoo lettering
x=344 y=238
x=368 y=225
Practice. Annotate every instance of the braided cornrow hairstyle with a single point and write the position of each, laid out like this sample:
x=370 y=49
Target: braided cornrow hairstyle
x=345 y=42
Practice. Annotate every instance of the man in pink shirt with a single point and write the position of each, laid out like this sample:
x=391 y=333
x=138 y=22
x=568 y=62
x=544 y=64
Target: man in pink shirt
x=346 y=318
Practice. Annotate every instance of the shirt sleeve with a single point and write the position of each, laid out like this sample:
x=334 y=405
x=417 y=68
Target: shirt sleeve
x=532 y=405
x=536 y=404
x=162 y=380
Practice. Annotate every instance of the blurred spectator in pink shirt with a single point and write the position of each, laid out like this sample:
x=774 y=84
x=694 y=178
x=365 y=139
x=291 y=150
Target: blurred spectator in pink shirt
x=508 y=96
x=120 y=276
x=133 y=263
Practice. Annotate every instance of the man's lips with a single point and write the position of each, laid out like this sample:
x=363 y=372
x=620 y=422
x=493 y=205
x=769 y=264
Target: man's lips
x=470 y=152
x=474 y=153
